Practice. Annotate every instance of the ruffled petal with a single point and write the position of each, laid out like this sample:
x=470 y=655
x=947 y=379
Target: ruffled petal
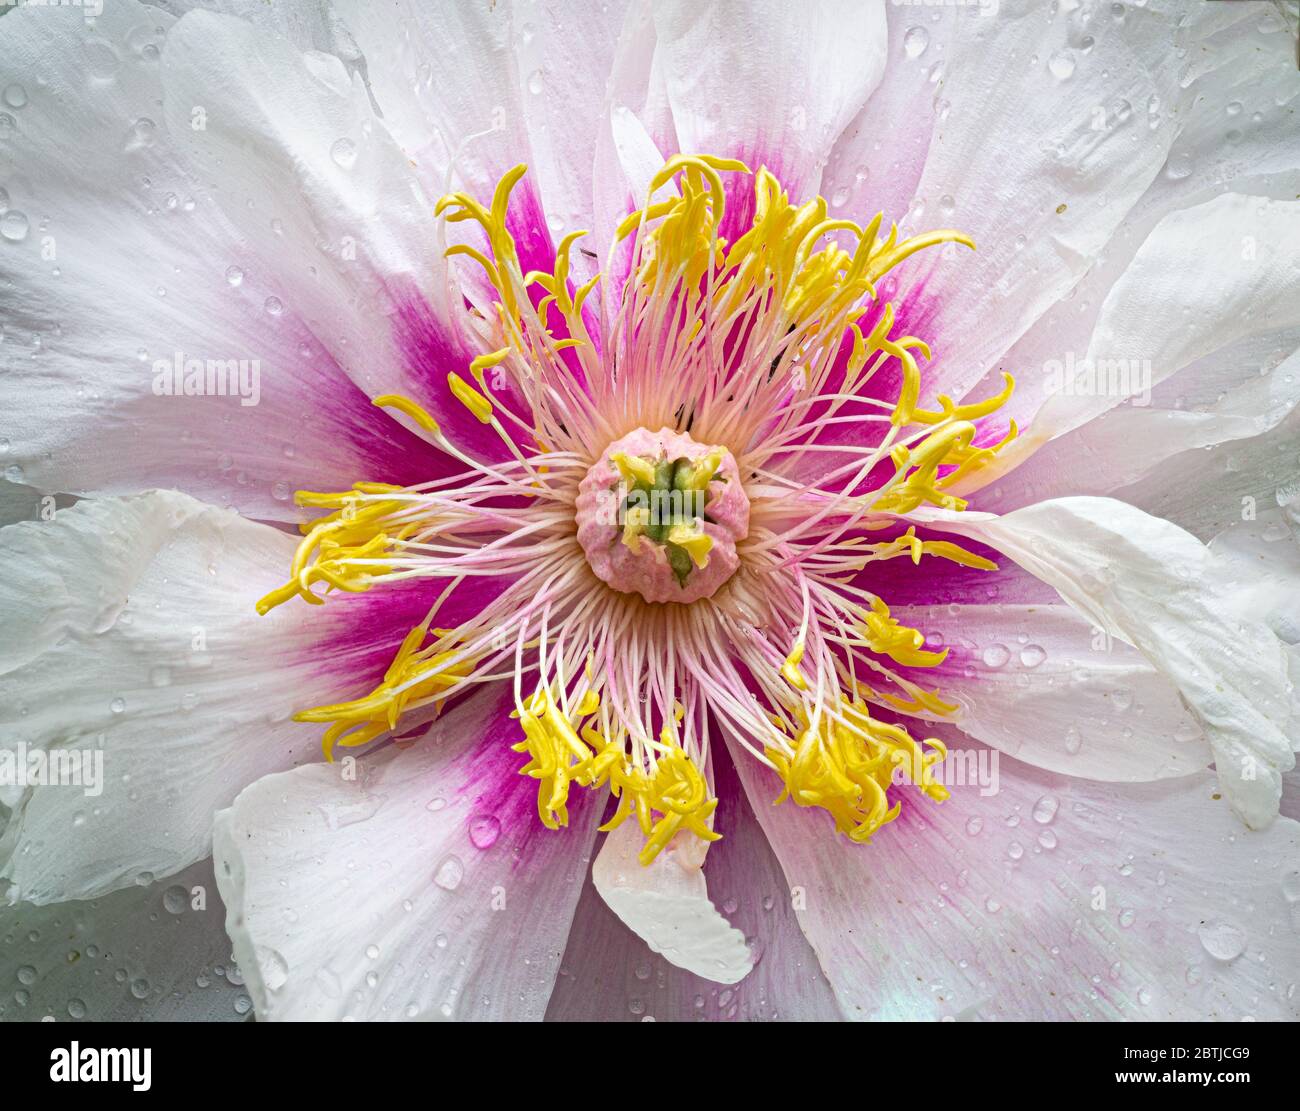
x=133 y=650
x=1026 y=162
x=356 y=249
x=1156 y=587
x=1206 y=278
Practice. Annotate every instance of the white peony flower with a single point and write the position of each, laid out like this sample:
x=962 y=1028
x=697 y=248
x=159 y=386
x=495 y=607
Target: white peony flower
x=399 y=397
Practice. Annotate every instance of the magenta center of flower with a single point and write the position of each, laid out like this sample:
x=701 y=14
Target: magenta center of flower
x=659 y=514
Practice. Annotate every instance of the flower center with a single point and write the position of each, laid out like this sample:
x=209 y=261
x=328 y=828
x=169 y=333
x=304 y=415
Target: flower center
x=660 y=514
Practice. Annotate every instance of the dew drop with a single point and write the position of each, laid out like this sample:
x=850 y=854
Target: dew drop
x=996 y=656
x=1031 y=655
x=16 y=96
x=234 y=276
x=141 y=135
x=484 y=829
x=14 y=226
x=101 y=62
x=344 y=153
x=1291 y=887
x=175 y=899
x=915 y=42
x=449 y=873
x=1045 y=809
x=1222 y=940
x=1061 y=64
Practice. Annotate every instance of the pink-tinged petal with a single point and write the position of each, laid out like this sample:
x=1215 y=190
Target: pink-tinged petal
x=876 y=164
x=356 y=244
x=132 y=637
x=1047 y=899
x=423 y=886
x=1043 y=684
x=1152 y=585
x=746 y=81
x=100 y=328
x=609 y=975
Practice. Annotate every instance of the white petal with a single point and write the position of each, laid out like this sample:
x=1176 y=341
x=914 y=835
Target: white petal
x=1229 y=267
x=447 y=85
x=368 y=897
x=1042 y=684
x=1233 y=118
x=133 y=638
x=666 y=904
x=157 y=953
x=1050 y=899
x=1158 y=588
x=607 y=975
x=876 y=164
x=1262 y=558
x=1043 y=148
x=752 y=80
x=124 y=265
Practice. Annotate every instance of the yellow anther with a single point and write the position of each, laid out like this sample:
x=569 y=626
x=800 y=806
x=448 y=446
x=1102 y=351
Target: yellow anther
x=410 y=408
x=468 y=396
x=846 y=766
x=790 y=668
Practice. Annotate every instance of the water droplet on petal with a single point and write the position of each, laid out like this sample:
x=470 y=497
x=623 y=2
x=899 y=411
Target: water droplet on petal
x=1222 y=940
x=1061 y=64
x=996 y=656
x=484 y=829
x=1031 y=655
x=344 y=153
x=13 y=226
x=915 y=41
x=449 y=873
